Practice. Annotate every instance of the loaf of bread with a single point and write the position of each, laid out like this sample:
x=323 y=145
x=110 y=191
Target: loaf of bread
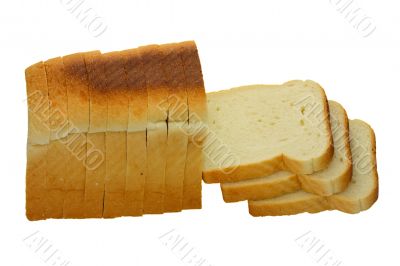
x=109 y=134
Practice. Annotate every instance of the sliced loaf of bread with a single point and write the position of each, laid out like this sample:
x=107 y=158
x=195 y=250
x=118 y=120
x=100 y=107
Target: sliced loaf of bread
x=360 y=194
x=333 y=179
x=258 y=130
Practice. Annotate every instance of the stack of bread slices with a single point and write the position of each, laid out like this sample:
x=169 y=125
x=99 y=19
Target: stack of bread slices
x=287 y=150
x=112 y=134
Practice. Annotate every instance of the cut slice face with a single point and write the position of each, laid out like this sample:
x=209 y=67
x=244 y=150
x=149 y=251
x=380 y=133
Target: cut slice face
x=360 y=194
x=333 y=179
x=285 y=127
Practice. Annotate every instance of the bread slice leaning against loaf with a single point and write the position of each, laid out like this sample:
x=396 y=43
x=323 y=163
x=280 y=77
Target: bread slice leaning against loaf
x=360 y=194
x=260 y=129
x=328 y=181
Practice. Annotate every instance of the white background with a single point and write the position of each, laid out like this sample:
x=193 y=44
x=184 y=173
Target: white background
x=240 y=42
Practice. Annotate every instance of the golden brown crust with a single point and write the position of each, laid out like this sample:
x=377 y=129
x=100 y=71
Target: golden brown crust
x=78 y=92
x=97 y=92
x=117 y=91
x=197 y=99
x=136 y=83
x=175 y=78
x=157 y=90
x=58 y=111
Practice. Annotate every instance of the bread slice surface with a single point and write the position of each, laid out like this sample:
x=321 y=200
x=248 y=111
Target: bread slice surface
x=286 y=127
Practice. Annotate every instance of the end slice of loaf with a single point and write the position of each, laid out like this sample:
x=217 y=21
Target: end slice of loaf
x=258 y=130
x=333 y=179
x=360 y=194
x=38 y=104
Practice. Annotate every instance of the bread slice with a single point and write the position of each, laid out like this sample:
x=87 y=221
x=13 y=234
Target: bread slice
x=286 y=127
x=360 y=194
x=95 y=157
x=197 y=105
x=38 y=133
x=333 y=179
x=57 y=154
x=177 y=123
x=136 y=160
x=78 y=116
x=117 y=126
x=157 y=93
x=38 y=104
